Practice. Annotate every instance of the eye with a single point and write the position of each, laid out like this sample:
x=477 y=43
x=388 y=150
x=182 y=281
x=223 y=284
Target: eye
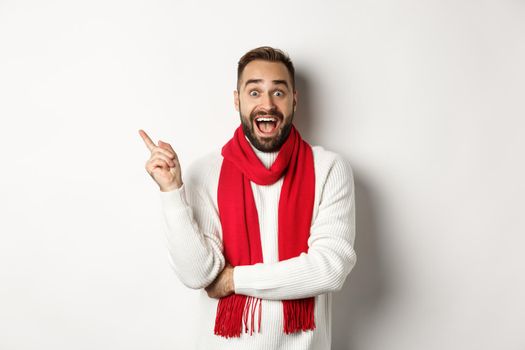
x=278 y=93
x=254 y=93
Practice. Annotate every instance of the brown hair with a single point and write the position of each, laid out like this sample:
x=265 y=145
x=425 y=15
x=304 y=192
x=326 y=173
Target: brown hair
x=266 y=53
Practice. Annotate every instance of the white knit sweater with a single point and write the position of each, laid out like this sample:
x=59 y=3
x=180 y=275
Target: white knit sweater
x=194 y=242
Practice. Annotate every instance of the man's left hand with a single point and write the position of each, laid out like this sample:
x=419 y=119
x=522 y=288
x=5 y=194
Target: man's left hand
x=223 y=284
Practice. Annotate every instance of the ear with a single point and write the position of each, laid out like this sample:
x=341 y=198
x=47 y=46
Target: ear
x=236 y=99
x=294 y=100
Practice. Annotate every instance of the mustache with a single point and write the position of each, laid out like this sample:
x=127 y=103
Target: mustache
x=274 y=113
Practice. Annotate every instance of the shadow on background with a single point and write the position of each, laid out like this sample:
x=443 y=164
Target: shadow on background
x=304 y=119
x=357 y=304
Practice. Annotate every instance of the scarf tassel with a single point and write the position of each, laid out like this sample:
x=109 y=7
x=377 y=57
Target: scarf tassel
x=235 y=310
x=298 y=315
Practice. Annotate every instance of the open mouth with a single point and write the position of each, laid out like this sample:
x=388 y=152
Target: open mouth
x=267 y=124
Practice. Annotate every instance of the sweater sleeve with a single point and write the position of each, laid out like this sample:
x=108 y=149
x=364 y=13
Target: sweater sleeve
x=192 y=229
x=330 y=256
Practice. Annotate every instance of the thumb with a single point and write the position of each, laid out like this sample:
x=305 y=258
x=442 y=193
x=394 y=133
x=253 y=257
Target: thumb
x=166 y=146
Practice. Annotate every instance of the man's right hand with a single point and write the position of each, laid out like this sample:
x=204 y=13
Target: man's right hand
x=163 y=164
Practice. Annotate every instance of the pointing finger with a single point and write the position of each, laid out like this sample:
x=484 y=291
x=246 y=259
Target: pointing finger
x=147 y=140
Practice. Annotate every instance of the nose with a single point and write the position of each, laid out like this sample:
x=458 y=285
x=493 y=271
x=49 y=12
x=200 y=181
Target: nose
x=267 y=102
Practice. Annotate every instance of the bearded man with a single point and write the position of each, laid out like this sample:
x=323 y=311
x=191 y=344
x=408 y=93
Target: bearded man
x=264 y=228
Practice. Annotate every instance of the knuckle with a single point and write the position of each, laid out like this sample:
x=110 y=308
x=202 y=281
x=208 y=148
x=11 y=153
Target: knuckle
x=165 y=154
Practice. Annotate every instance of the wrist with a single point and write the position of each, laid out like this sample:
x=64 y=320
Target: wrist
x=232 y=283
x=170 y=188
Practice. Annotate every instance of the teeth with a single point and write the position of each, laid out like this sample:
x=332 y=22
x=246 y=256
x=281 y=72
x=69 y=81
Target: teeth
x=264 y=119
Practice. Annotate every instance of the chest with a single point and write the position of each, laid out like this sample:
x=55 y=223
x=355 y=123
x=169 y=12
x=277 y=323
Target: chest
x=267 y=204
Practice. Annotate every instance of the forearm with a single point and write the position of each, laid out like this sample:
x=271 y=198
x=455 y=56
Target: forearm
x=195 y=254
x=320 y=271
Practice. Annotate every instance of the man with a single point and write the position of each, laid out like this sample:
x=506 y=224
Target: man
x=265 y=227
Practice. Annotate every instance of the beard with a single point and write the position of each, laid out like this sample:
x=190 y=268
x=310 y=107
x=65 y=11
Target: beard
x=267 y=144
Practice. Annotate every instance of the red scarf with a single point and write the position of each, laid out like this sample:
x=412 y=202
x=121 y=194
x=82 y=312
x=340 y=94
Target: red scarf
x=240 y=224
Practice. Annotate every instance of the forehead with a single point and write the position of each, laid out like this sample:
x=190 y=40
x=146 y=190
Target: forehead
x=266 y=71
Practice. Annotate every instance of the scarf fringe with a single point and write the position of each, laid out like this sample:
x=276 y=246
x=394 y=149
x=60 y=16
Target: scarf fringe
x=298 y=315
x=233 y=311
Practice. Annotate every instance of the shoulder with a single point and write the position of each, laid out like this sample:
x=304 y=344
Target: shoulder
x=334 y=180
x=329 y=164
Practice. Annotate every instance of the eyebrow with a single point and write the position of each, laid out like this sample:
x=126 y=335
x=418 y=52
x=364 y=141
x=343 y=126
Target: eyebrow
x=257 y=81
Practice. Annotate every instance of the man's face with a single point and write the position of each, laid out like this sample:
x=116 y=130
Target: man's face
x=266 y=103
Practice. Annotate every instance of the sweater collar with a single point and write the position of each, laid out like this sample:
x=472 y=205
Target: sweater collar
x=267 y=158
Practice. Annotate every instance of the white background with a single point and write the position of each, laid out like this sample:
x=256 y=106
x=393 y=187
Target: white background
x=425 y=99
